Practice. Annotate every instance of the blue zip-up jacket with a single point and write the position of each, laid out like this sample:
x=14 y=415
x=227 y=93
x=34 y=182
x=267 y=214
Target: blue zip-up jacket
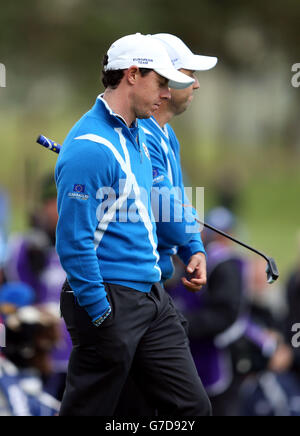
x=181 y=234
x=106 y=231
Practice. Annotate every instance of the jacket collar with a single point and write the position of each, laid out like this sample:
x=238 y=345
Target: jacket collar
x=103 y=106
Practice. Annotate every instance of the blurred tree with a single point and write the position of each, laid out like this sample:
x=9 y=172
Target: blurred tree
x=39 y=37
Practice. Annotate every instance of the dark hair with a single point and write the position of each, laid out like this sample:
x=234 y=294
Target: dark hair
x=112 y=78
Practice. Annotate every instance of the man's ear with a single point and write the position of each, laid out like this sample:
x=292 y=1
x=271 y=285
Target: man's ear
x=132 y=74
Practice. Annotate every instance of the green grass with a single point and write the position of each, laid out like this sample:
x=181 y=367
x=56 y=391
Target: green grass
x=268 y=193
x=271 y=212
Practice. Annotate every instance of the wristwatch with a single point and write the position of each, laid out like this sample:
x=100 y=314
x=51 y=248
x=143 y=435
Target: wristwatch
x=102 y=318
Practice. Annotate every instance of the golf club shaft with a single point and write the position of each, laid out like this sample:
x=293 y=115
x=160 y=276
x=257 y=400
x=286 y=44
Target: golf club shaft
x=53 y=146
x=232 y=239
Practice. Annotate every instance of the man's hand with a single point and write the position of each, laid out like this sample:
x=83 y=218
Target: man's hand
x=282 y=360
x=197 y=271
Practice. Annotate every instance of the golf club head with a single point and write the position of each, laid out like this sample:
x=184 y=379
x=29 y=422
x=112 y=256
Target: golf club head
x=272 y=271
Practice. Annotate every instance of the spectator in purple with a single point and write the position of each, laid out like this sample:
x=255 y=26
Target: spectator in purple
x=33 y=260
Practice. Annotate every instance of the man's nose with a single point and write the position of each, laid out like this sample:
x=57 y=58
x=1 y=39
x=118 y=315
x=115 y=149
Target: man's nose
x=166 y=94
x=196 y=84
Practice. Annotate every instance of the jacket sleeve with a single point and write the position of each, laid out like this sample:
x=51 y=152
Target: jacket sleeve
x=80 y=173
x=195 y=244
x=175 y=224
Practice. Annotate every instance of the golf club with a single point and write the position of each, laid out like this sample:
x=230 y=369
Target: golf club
x=272 y=270
x=47 y=143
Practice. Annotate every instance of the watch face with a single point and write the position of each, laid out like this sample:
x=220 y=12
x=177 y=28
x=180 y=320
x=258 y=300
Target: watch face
x=102 y=318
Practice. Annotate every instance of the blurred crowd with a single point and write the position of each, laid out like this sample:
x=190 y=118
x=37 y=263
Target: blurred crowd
x=33 y=362
x=240 y=327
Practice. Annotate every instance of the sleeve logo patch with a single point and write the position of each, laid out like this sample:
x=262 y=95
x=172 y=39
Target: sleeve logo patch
x=79 y=189
x=78 y=192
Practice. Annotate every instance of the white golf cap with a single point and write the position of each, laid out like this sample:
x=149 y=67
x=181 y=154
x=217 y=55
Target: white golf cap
x=182 y=57
x=145 y=52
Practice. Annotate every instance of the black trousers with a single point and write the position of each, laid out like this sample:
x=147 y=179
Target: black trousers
x=143 y=336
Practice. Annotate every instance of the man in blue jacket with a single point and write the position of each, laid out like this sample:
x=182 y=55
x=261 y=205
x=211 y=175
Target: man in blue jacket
x=117 y=313
x=180 y=236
